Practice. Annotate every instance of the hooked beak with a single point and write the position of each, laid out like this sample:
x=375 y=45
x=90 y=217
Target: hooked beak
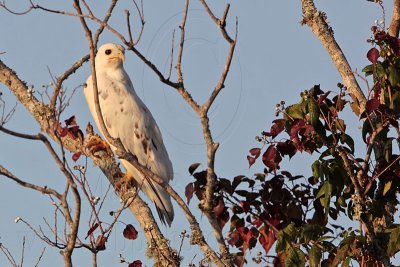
x=119 y=57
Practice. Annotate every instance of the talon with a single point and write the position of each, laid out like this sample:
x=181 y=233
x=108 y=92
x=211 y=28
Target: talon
x=96 y=144
x=125 y=181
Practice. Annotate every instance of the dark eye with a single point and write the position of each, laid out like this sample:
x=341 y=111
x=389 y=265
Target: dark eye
x=108 y=51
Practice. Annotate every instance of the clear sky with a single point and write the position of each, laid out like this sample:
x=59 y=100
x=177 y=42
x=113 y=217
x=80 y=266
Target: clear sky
x=276 y=58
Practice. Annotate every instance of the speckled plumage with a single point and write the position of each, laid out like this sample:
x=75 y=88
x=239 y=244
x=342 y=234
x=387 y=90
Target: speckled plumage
x=127 y=117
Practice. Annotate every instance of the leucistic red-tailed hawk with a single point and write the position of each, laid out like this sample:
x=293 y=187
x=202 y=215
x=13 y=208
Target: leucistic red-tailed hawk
x=127 y=117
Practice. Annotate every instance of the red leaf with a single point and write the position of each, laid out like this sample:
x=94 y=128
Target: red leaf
x=221 y=213
x=372 y=104
x=323 y=97
x=373 y=55
x=223 y=218
x=380 y=36
x=276 y=128
x=257 y=223
x=266 y=239
x=247 y=236
x=245 y=206
x=71 y=121
x=286 y=148
x=251 y=160
x=101 y=243
x=91 y=230
x=271 y=158
x=233 y=238
x=76 y=156
x=136 y=263
x=130 y=232
x=189 y=190
x=255 y=152
x=62 y=131
x=75 y=132
x=219 y=208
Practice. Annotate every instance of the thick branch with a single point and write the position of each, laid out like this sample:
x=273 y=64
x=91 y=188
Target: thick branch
x=211 y=145
x=316 y=20
x=106 y=161
x=395 y=22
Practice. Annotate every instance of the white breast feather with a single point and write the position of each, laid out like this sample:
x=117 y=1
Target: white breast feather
x=126 y=117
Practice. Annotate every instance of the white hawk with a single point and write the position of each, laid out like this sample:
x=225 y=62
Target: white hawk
x=126 y=117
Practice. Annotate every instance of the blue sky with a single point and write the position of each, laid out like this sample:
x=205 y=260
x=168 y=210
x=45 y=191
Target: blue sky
x=276 y=58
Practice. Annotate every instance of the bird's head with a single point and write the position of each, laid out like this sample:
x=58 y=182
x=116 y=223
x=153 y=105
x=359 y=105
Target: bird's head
x=110 y=56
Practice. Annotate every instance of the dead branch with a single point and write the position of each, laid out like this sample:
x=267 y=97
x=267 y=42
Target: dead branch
x=140 y=11
x=184 y=93
x=63 y=77
x=8 y=255
x=40 y=257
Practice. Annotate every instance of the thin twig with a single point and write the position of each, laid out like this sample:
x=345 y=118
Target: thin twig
x=40 y=256
x=8 y=255
x=181 y=44
x=172 y=55
x=44 y=190
x=3 y=5
x=63 y=77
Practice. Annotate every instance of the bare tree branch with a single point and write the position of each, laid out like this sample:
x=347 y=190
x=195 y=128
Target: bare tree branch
x=8 y=255
x=181 y=44
x=63 y=77
x=40 y=257
x=316 y=20
x=44 y=190
x=394 y=26
x=202 y=111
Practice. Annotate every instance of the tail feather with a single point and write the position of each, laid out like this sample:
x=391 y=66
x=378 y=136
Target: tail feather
x=161 y=199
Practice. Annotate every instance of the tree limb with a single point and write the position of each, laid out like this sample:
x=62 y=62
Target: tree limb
x=394 y=26
x=316 y=20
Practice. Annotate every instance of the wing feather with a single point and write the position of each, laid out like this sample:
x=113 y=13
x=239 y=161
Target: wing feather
x=127 y=117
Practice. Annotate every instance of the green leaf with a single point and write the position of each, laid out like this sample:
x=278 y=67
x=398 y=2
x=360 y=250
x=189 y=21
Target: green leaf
x=394 y=76
x=342 y=201
x=380 y=69
x=340 y=125
x=394 y=241
x=387 y=187
x=346 y=248
x=326 y=189
x=291 y=232
x=295 y=111
x=315 y=167
x=346 y=139
x=314 y=255
x=313 y=110
x=326 y=192
x=310 y=232
x=295 y=257
x=286 y=237
x=368 y=70
x=280 y=243
x=395 y=103
x=347 y=262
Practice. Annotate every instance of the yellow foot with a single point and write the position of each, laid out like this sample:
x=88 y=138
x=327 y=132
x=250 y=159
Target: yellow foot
x=96 y=144
x=125 y=181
